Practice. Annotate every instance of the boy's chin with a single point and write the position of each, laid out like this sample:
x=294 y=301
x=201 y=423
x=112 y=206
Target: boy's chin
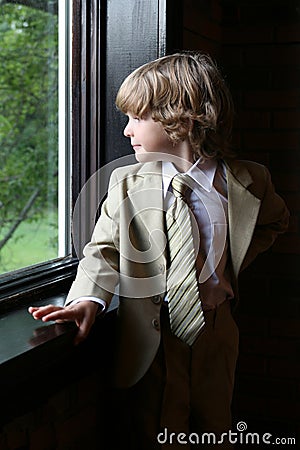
x=143 y=157
x=154 y=156
x=147 y=157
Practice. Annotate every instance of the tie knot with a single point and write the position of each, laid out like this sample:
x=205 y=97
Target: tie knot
x=180 y=184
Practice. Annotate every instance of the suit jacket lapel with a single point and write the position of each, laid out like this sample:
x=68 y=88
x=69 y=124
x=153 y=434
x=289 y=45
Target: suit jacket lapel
x=243 y=208
x=146 y=197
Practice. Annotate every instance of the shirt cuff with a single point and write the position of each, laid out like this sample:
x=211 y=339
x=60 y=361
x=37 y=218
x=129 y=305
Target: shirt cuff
x=102 y=303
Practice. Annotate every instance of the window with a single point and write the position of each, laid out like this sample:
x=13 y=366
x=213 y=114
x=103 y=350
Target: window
x=78 y=41
x=34 y=136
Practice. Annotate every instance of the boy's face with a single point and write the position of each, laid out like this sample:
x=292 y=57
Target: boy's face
x=147 y=137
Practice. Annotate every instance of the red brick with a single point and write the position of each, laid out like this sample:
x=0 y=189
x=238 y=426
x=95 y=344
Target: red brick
x=16 y=435
x=43 y=438
x=293 y=201
x=272 y=99
x=253 y=326
x=260 y=157
x=288 y=243
x=3 y=442
x=194 y=42
x=248 y=34
x=294 y=224
x=216 y=11
x=88 y=388
x=284 y=161
x=284 y=327
x=286 y=119
x=249 y=405
x=286 y=181
x=272 y=140
x=267 y=11
x=253 y=119
x=288 y=33
x=283 y=77
x=268 y=387
x=60 y=403
x=202 y=26
x=76 y=426
x=284 y=368
x=245 y=78
x=232 y=56
x=276 y=55
x=268 y=346
x=252 y=364
x=236 y=140
x=283 y=409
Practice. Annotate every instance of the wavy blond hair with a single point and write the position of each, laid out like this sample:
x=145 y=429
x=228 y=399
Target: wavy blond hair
x=187 y=94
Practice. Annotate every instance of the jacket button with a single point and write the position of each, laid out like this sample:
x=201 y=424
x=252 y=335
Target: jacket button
x=161 y=268
x=156 y=299
x=155 y=324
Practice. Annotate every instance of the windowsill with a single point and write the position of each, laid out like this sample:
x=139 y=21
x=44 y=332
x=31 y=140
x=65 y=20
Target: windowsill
x=37 y=359
x=27 y=346
x=20 y=333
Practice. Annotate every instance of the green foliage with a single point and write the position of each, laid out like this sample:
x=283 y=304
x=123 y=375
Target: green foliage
x=32 y=244
x=28 y=112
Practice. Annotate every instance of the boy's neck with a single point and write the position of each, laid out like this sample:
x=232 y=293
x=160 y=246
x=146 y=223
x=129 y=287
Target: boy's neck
x=184 y=157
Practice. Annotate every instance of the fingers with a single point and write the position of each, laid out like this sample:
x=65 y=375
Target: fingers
x=58 y=314
x=83 y=314
x=41 y=311
x=82 y=333
x=84 y=323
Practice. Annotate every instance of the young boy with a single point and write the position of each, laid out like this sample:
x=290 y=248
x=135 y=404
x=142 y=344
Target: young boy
x=177 y=340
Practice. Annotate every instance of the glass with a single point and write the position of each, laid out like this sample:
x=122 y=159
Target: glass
x=29 y=124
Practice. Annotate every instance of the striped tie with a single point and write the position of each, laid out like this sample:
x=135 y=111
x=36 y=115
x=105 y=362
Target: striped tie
x=185 y=311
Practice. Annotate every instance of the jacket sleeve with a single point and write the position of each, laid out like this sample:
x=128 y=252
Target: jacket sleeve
x=98 y=272
x=273 y=219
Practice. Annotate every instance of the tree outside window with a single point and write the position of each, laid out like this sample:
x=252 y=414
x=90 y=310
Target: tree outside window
x=28 y=133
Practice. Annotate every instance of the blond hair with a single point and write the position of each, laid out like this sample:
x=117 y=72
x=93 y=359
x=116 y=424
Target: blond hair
x=187 y=94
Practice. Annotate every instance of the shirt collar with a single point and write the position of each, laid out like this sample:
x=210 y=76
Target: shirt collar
x=202 y=172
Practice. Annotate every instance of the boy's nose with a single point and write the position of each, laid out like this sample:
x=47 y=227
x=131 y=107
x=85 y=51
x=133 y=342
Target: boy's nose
x=127 y=131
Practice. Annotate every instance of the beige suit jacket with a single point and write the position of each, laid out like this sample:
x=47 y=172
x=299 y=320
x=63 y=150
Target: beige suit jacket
x=128 y=249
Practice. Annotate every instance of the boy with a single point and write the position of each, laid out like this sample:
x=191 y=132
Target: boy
x=177 y=342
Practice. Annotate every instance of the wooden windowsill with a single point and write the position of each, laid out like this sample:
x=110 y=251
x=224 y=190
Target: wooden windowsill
x=37 y=359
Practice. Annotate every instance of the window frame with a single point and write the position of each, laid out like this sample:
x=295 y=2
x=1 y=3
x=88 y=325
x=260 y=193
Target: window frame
x=29 y=281
x=93 y=143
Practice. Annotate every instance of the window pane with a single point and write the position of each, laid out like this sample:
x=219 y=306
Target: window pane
x=28 y=134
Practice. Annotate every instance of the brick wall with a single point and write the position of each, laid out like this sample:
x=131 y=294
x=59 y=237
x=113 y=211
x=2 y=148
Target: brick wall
x=68 y=404
x=65 y=420
x=257 y=43
x=202 y=27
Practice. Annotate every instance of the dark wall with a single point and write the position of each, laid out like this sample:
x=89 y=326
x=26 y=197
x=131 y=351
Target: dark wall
x=257 y=46
x=146 y=30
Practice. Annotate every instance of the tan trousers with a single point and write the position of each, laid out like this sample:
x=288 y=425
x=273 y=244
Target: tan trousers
x=187 y=390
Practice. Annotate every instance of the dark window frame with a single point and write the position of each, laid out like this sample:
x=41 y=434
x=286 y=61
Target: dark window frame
x=19 y=286
x=93 y=27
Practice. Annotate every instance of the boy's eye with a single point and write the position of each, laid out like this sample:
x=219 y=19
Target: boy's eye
x=136 y=119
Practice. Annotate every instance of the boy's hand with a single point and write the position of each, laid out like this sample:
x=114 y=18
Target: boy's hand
x=82 y=313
